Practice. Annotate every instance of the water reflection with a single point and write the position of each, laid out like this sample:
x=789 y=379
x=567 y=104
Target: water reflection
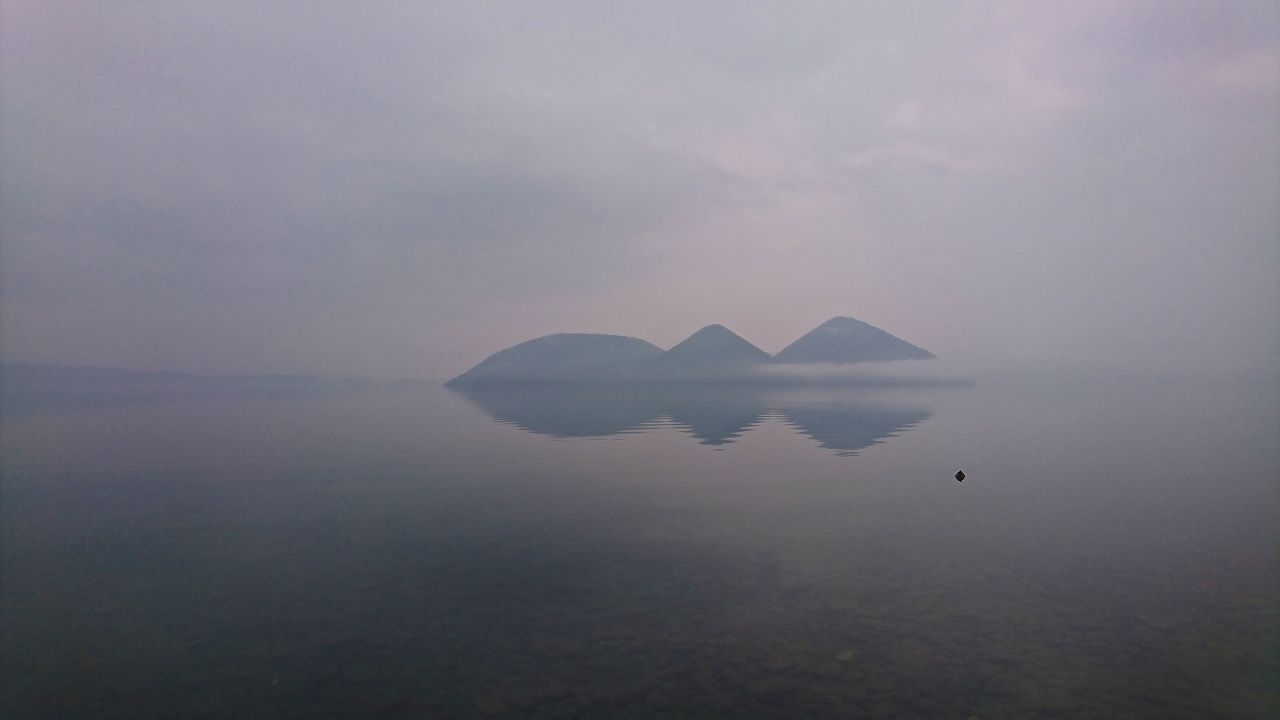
x=841 y=420
x=846 y=429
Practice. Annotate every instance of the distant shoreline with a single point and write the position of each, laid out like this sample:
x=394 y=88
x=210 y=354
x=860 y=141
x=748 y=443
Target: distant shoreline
x=738 y=382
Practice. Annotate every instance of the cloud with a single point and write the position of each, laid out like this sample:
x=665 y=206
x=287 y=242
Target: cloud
x=400 y=189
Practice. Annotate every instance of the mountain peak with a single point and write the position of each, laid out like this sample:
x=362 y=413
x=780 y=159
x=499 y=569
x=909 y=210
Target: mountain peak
x=714 y=330
x=716 y=343
x=847 y=340
x=844 y=323
x=841 y=321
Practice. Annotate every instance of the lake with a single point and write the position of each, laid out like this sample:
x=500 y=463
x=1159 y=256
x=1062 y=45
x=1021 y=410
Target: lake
x=292 y=549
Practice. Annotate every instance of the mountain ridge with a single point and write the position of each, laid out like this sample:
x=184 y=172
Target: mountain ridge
x=563 y=356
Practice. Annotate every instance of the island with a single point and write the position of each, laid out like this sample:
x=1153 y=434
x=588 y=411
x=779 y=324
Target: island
x=713 y=354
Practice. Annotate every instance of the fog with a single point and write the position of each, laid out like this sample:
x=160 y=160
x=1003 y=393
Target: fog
x=399 y=189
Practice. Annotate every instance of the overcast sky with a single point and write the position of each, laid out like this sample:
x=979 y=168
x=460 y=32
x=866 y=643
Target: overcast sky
x=399 y=189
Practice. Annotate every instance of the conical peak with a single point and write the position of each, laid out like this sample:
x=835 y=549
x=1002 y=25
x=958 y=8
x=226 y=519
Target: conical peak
x=713 y=333
x=845 y=339
x=713 y=330
x=716 y=342
x=841 y=321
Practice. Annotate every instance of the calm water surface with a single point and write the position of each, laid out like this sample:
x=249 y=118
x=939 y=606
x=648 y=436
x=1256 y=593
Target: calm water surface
x=405 y=551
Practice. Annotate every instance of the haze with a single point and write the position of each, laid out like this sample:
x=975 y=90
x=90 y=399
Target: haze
x=399 y=189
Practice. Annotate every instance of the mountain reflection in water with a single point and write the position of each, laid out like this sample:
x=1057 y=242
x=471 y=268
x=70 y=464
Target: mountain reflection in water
x=839 y=419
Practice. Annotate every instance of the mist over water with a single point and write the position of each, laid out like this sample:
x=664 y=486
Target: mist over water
x=407 y=551
x=725 y=296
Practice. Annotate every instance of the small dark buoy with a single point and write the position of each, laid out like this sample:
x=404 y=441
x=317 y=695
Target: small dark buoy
x=960 y=475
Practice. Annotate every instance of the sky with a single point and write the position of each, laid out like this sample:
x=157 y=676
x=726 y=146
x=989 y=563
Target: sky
x=398 y=189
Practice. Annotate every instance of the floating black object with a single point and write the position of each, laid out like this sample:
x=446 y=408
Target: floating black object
x=960 y=475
